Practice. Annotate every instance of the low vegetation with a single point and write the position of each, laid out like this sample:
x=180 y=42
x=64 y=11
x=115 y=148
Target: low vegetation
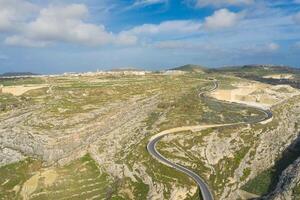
x=20 y=81
x=81 y=179
x=67 y=110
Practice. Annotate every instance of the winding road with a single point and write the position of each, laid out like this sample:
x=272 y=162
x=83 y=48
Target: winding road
x=204 y=188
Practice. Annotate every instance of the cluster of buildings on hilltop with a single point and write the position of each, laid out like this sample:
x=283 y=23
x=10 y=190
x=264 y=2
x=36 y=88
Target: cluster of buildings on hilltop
x=138 y=73
x=173 y=72
x=117 y=72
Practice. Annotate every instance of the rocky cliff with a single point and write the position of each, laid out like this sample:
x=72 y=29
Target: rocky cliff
x=289 y=180
x=52 y=147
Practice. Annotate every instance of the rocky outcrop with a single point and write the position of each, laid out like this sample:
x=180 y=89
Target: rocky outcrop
x=12 y=136
x=75 y=142
x=8 y=156
x=236 y=155
x=273 y=139
x=287 y=182
x=109 y=149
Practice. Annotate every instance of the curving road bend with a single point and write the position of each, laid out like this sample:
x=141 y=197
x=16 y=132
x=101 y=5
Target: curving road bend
x=151 y=146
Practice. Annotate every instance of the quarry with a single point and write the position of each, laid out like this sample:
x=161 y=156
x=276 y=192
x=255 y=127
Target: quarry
x=84 y=136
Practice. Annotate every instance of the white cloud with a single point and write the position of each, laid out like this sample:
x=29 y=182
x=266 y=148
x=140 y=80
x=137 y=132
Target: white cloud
x=66 y=24
x=173 y=27
x=218 y=3
x=296 y=18
x=173 y=44
x=18 y=40
x=148 y=33
x=222 y=19
x=70 y=24
x=142 y=3
x=13 y=13
x=125 y=39
x=184 y=45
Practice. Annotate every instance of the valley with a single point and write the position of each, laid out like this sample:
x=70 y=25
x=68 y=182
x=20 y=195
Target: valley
x=86 y=136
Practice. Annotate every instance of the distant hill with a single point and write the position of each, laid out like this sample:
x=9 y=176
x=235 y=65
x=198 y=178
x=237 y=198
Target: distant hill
x=7 y=74
x=274 y=68
x=265 y=73
x=258 y=69
x=191 y=68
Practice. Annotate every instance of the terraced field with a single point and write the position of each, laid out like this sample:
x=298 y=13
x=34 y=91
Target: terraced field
x=81 y=179
x=85 y=137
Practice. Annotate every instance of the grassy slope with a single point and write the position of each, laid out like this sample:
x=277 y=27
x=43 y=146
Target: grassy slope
x=81 y=179
x=179 y=106
x=187 y=109
x=20 y=81
x=190 y=110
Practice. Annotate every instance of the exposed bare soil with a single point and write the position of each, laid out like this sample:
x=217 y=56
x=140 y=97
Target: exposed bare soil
x=21 y=89
x=256 y=94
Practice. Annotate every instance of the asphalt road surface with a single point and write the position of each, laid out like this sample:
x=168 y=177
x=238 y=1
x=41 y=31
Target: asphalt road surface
x=205 y=191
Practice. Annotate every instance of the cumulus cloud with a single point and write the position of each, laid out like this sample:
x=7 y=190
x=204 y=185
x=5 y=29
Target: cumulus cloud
x=184 y=45
x=69 y=23
x=65 y=24
x=174 y=27
x=222 y=18
x=124 y=38
x=18 y=40
x=13 y=13
x=297 y=18
x=219 y=3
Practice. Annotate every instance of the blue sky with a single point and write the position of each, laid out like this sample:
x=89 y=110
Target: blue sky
x=52 y=36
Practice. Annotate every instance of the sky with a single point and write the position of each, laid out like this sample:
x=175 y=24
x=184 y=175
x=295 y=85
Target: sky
x=52 y=36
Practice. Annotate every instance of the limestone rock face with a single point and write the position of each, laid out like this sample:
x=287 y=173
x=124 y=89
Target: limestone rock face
x=252 y=149
x=8 y=156
x=234 y=155
x=289 y=179
x=54 y=147
x=272 y=142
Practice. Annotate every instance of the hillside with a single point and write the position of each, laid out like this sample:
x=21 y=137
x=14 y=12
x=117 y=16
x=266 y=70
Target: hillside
x=271 y=74
x=8 y=74
x=258 y=69
x=191 y=68
x=86 y=137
